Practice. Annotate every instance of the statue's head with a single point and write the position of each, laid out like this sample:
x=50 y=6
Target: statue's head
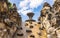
x=46 y=9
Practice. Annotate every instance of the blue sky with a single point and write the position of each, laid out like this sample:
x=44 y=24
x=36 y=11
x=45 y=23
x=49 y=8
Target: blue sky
x=26 y=6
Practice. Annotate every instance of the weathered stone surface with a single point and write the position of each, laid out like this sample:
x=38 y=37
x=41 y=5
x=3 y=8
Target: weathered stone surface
x=10 y=20
x=50 y=19
x=48 y=25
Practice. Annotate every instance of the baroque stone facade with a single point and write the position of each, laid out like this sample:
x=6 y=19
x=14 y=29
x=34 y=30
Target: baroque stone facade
x=10 y=20
x=48 y=25
x=50 y=19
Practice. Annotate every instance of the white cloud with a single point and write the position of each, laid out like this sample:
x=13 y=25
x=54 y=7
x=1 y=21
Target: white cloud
x=24 y=12
x=29 y=4
x=35 y=3
x=23 y=3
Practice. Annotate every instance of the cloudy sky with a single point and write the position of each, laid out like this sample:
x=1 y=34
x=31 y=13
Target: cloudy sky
x=26 y=6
